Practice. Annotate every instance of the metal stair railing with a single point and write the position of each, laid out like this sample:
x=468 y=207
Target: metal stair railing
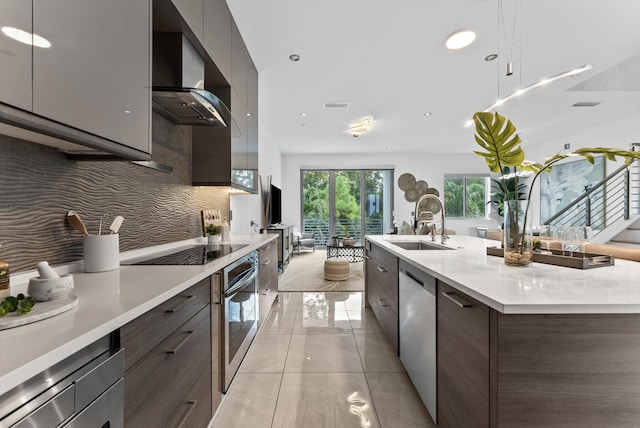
x=601 y=206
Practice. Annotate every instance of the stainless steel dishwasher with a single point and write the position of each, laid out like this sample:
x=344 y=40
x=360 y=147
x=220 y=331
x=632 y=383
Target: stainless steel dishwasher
x=417 y=313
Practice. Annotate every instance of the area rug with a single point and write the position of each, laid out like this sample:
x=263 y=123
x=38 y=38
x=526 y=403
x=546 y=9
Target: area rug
x=305 y=272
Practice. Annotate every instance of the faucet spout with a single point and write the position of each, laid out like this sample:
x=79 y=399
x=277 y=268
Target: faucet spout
x=427 y=216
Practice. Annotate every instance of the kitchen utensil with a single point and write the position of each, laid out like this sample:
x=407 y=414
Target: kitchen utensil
x=104 y=219
x=76 y=222
x=117 y=222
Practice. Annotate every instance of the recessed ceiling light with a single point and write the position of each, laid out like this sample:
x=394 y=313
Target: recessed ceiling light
x=490 y=57
x=249 y=114
x=390 y=148
x=303 y=114
x=427 y=114
x=460 y=39
x=26 y=37
x=294 y=57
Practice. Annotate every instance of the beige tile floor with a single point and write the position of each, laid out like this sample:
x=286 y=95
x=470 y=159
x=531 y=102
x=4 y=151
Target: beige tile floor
x=321 y=360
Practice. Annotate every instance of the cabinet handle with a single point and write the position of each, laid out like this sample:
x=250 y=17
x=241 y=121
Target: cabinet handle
x=177 y=308
x=266 y=263
x=381 y=269
x=266 y=248
x=266 y=291
x=367 y=257
x=461 y=304
x=382 y=303
x=182 y=342
x=192 y=405
x=215 y=289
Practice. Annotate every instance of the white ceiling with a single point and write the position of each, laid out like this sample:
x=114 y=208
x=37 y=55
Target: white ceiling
x=387 y=59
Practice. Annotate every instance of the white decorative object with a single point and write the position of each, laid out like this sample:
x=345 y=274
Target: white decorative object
x=101 y=252
x=45 y=289
x=45 y=271
x=213 y=239
x=40 y=311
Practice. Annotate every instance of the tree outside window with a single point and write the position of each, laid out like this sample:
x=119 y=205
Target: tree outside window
x=466 y=196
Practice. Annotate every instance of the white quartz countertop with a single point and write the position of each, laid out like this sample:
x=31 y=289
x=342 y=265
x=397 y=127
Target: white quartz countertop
x=107 y=301
x=536 y=289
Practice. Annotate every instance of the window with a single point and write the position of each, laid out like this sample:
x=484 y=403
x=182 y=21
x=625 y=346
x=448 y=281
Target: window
x=466 y=196
x=337 y=202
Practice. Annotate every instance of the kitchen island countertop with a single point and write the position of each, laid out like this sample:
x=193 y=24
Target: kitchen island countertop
x=536 y=289
x=107 y=301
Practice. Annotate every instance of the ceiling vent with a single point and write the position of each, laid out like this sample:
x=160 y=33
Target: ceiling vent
x=336 y=105
x=586 y=104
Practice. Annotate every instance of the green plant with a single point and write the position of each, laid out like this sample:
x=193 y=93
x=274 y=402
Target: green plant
x=20 y=304
x=497 y=136
x=213 y=229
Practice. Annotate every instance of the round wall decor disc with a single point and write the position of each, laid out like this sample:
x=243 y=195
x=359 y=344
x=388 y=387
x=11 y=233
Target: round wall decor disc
x=406 y=181
x=422 y=187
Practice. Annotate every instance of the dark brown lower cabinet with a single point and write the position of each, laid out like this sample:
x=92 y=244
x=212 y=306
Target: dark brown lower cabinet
x=463 y=359
x=381 y=289
x=172 y=384
x=526 y=371
x=267 y=279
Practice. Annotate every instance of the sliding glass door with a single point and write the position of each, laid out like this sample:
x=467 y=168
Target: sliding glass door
x=346 y=202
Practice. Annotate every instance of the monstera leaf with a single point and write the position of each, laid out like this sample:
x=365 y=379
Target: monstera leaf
x=502 y=147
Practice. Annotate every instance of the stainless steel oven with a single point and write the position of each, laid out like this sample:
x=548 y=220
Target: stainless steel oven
x=239 y=313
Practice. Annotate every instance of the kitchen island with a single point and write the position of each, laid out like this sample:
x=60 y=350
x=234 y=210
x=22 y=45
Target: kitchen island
x=522 y=346
x=107 y=301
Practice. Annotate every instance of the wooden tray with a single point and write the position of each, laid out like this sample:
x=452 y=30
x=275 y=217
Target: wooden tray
x=578 y=260
x=40 y=311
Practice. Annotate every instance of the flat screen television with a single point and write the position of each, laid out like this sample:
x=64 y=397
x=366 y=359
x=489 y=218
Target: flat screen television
x=275 y=215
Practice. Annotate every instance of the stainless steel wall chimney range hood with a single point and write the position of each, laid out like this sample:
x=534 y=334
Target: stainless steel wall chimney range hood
x=178 y=84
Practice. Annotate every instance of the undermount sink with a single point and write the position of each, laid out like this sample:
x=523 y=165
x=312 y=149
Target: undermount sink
x=420 y=245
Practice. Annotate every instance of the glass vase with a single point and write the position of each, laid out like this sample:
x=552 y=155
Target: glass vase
x=518 y=242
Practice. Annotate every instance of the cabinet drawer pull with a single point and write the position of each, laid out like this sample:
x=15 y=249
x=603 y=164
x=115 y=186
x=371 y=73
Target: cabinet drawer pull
x=187 y=299
x=192 y=405
x=266 y=291
x=266 y=263
x=368 y=257
x=382 y=303
x=461 y=304
x=182 y=342
x=381 y=269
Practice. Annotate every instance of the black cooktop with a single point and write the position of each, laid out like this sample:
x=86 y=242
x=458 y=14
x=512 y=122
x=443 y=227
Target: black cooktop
x=197 y=255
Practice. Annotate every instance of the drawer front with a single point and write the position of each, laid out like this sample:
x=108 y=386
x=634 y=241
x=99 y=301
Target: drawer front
x=98 y=380
x=384 y=258
x=144 y=333
x=387 y=317
x=194 y=410
x=158 y=383
x=386 y=281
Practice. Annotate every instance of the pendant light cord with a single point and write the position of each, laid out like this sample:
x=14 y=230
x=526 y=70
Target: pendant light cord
x=509 y=50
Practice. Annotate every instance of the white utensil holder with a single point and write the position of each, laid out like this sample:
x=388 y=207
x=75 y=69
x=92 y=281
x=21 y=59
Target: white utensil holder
x=101 y=252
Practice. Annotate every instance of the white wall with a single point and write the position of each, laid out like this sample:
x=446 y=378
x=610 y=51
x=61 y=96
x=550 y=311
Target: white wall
x=428 y=168
x=248 y=208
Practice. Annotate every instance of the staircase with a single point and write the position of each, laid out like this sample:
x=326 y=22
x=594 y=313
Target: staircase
x=611 y=208
x=629 y=237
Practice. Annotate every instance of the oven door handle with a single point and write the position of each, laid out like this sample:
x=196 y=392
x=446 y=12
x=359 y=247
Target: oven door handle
x=248 y=277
